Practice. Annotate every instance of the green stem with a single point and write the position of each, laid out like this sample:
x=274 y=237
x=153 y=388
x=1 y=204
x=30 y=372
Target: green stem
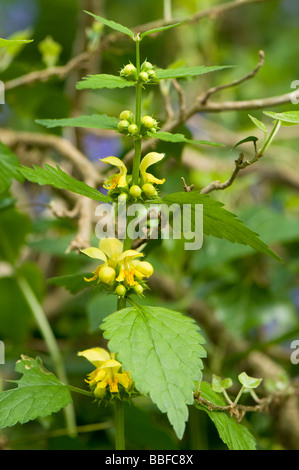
x=137 y=156
x=50 y=340
x=167 y=10
x=270 y=138
x=119 y=425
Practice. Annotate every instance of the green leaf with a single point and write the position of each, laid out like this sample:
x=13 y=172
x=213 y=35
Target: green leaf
x=162 y=350
x=14 y=42
x=162 y=28
x=74 y=283
x=289 y=117
x=38 y=394
x=251 y=138
x=218 y=384
x=96 y=82
x=95 y=121
x=9 y=166
x=249 y=382
x=59 y=179
x=258 y=124
x=219 y=222
x=175 y=138
x=183 y=72
x=233 y=434
x=111 y=24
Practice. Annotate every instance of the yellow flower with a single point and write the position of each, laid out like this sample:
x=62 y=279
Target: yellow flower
x=120 y=179
x=106 y=373
x=116 y=262
x=148 y=160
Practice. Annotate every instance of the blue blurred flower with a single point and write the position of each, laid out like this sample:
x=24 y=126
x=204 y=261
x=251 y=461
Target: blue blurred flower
x=96 y=147
x=17 y=15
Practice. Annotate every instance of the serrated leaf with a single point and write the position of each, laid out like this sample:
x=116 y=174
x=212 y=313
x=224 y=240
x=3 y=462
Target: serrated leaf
x=74 y=283
x=249 y=382
x=162 y=350
x=183 y=72
x=162 y=28
x=38 y=394
x=233 y=434
x=14 y=42
x=219 y=222
x=95 y=121
x=96 y=82
x=113 y=25
x=258 y=124
x=9 y=165
x=176 y=138
x=59 y=179
x=289 y=117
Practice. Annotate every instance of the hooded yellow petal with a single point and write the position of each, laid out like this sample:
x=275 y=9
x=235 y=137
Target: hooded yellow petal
x=95 y=253
x=129 y=254
x=150 y=159
x=97 y=356
x=124 y=379
x=120 y=179
x=111 y=364
x=111 y=246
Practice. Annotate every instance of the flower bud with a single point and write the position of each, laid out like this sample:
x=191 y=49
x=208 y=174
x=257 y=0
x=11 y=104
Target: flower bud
x=135 y=191
x=123 y=126
x=129 y=72
x=127 y=115
x=122 y=198
x=120 y=290
x=143 y=268
x=133 y=129
x=148 y=122
x=146 y=66
x=143 y=76
x=149 y=189
x=151 y=74
x=138 y=289
x=107 y=275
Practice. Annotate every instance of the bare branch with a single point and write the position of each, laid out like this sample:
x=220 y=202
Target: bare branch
x=204 y=98
x=239 y=165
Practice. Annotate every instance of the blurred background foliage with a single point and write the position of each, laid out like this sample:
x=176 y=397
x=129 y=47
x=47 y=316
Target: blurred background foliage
x=242 y=300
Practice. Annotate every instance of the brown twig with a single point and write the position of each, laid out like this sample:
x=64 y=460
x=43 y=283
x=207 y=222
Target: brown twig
x=187 y=188
x=215 y=185
x=205 y=97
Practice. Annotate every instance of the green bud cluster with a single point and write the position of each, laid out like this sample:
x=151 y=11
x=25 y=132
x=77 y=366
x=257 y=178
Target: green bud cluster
x=127 y=126
x=147 y=73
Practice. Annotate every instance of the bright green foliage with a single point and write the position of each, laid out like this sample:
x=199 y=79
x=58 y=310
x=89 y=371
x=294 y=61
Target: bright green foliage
x=249 y=382
x=59 y=179
x=219 y=222
x=219 y=385
x=176 y=138
x=9 y=165
x=14 y=42
x=162 y=28
x=258 y=124
x=96 y=82
x=113 y=25
x=287 y=118
x=162 y=349
x=95 y=121
x=183 y=72
x=233 y=434
x=38 y=394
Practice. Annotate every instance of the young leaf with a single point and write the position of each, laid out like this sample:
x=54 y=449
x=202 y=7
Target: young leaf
x=249 y=382
x=162 y=350
x=258 y=124
x=184 y=72
x=38 y=394
x=218 y=385
x=9 y=166
x=95 y=121
x=233 y=434
x=113 y=25
x=175 y=138
x=14 y=42
x=219 y=222
x=251 y=138
x=59 y=179
x=289 y=117
x=162 y=28
x=96 y=82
